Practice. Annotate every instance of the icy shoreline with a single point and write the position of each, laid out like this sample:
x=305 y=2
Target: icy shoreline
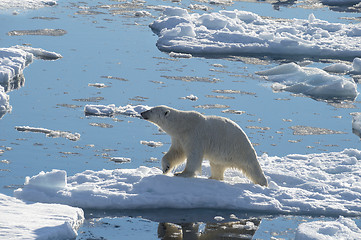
x=322 y=184
x=246 y=33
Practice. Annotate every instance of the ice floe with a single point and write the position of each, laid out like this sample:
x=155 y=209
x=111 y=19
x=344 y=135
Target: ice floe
x=342 y=228
x=50 y=133
x=310 y=81
x=327 y=184
x=28 y=220
x=25 y=4
x=111 y=109
x=12 y=63
x=4 y=102
x=245 y=33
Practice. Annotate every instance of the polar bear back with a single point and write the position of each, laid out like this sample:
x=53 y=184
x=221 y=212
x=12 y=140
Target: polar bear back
x=227 y=142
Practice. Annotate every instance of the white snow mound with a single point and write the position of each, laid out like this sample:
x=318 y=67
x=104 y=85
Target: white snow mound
x=326 y=184
x=245 y=33
x=25 y=220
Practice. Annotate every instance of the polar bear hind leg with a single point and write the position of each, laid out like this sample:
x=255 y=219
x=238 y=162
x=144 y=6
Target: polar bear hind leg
x=217 y=171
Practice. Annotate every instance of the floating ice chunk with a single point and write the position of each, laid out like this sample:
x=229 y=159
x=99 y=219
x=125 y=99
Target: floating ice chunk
x=310 y=81
x=99 y=110
x=342 y=228
x=25 y=220
x=25 y=4
x=191 y=97
x=12 y=63
x=4 y=103
x=142 y=14
x=131 y=110
x=356 y=123
x=152 y=143
x=50 y=133
x=97 y=85
x=326 y=184
x=40 y=53
x=241 y=33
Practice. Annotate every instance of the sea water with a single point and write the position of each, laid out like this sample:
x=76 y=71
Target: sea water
x=108 y=44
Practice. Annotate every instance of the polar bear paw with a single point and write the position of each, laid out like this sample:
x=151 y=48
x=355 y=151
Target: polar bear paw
x=184 y=174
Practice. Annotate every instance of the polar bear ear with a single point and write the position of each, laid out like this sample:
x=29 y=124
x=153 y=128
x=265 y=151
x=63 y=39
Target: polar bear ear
x=166 y=113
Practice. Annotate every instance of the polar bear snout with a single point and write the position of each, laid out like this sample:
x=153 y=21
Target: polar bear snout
x=145 y=114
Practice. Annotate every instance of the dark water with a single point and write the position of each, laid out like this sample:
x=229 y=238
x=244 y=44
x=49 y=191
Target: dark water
x=107 y=44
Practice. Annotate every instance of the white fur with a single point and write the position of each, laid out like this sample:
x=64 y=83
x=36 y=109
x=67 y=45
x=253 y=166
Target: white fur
x=195 y=137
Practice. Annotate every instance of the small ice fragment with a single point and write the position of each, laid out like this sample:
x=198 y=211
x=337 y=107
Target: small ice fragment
x=191 y=97
x=97 y=85
x=180 y=55
x=50 y=133
x=120 y=159
x=152 y=143
x=218 y=218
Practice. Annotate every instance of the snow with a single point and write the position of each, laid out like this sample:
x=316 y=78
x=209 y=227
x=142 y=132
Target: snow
x=310 y=81
x=26 y=220
x=240 y=32
x=25 y=4
x=4 y=102
x=326 y=184
x=111 y=109
x=342 y=228
x=50 y=133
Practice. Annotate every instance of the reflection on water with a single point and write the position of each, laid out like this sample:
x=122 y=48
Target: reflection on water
x=242 y=229
x=187 y=224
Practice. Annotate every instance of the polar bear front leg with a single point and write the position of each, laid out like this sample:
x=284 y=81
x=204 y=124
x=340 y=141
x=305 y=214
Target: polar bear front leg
x=174 y=157
x=193 y=165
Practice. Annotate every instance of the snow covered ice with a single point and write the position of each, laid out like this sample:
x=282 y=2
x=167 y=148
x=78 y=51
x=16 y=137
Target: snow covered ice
x=50 y=133
x=327 y=184
x=310 y=81
x=246 y=33
x=356 y=123
x=342 y=228
x=27 y=220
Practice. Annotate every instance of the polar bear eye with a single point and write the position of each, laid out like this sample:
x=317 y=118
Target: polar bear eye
x=166 y=113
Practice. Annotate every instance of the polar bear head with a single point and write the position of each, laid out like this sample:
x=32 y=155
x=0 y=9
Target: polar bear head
x=172 y=121
x=159 y=116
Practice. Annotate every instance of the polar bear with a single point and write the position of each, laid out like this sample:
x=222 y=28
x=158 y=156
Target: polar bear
x=195 y=136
